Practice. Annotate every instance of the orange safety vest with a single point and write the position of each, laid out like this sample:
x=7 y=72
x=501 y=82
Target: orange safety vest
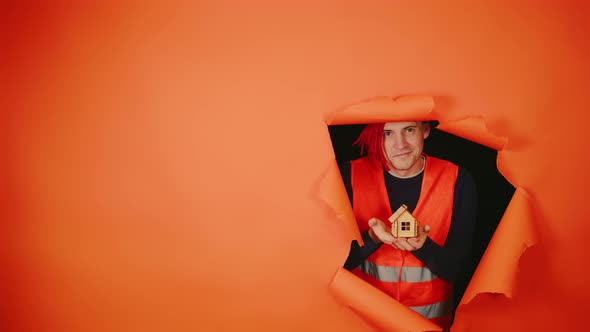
x=399 y=273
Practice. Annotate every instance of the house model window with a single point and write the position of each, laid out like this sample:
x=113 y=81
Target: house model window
x=403 y=223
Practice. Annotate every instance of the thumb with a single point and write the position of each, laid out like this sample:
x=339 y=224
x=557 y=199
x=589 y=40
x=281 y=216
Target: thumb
x=427 y=228
x=372 y=222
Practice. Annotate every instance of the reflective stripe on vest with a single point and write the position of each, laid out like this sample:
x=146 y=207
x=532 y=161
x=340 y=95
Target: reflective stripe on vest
x=435 y=310
x=391 y=273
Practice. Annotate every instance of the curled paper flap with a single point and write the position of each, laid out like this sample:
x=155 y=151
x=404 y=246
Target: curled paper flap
x=375 y=306
x=333 y=193
x=355 y=293
x=496 y=272
x=474 y=129
x=384 y=109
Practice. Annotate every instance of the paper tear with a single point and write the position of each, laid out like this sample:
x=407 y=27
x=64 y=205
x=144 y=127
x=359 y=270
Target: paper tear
x=496 y=272
x=474 y=129
x=376 y=307
x=384 y=109
x=332 y=192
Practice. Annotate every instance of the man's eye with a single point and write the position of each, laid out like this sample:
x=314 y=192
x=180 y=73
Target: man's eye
x=410 y=130
x=387 y=133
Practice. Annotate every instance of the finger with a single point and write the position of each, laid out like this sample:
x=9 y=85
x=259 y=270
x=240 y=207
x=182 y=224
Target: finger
x=403 y=243
x=386 y=237
x=376 y=223
x=398 y=247
x=410 y=246
x=372 y=222
x=415 y=243
x=423 y=230
x=395 y=245
x=381 y=232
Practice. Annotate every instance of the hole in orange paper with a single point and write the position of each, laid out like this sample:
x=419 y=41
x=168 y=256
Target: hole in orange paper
x=494 y=191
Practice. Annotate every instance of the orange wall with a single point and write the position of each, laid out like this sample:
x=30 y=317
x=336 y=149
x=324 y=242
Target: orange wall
x=162 y=159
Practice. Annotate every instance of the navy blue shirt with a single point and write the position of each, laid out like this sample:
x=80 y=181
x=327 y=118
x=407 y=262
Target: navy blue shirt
x=444 y=261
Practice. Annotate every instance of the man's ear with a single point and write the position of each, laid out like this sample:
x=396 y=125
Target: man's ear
x=425 y=129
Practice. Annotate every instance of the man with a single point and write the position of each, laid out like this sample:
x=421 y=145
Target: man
x=419 y=272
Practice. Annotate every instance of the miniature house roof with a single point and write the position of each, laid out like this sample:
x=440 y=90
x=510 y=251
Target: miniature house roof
x=399 y=212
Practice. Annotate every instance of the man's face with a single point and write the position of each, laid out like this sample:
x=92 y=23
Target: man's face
x=403 y=143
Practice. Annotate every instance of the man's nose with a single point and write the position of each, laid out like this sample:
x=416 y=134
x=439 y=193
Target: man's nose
x=399 y=142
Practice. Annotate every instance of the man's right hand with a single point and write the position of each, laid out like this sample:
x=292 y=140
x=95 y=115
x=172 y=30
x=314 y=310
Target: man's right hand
x=380 y=232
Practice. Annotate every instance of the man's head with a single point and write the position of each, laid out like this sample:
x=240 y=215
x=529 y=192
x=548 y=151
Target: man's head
x=398 y=146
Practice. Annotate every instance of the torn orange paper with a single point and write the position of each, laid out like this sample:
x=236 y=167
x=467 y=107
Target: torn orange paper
x=333 y=193
x=473 y=129
x=375 y=306
x=383 y=109
x=497 y=269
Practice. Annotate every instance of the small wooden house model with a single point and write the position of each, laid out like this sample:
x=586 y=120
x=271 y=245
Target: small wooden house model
x=403 y=223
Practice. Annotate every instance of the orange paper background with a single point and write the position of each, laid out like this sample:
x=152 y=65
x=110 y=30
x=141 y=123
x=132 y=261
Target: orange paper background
x=162 y=160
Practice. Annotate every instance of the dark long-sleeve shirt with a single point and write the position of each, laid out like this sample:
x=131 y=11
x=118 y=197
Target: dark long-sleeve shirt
x=444 y=261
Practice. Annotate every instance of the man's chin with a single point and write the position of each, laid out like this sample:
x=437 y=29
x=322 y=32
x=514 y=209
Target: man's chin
x=402 y=167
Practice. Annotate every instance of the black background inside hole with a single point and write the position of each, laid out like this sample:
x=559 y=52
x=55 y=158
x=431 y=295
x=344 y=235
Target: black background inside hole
x=494 y=191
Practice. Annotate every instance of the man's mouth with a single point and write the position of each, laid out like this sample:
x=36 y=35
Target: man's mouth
x=403 y=154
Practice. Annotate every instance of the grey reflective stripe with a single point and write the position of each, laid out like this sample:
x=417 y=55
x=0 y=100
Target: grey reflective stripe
x=417 y=274
x=383 y=273
x=391 y=273
x=435 y=310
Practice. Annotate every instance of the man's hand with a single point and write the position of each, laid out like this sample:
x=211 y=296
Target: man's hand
x=380 y=232
x=412 y=243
